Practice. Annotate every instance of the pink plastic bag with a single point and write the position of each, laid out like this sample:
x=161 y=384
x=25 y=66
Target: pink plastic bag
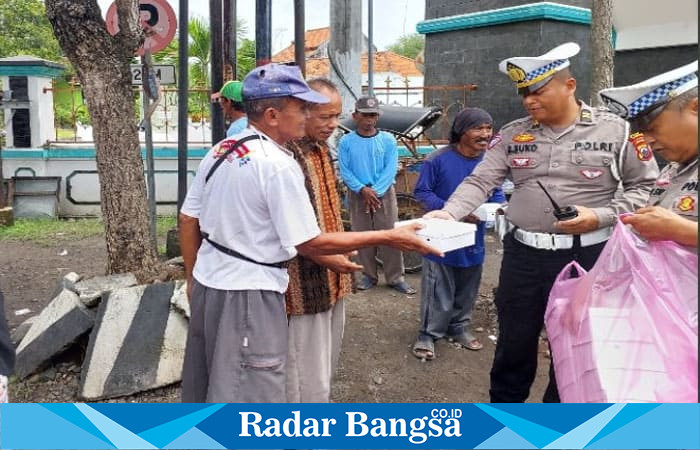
x=627 y=331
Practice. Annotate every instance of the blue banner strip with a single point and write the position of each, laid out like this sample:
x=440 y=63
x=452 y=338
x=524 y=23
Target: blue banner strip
x=368 y=426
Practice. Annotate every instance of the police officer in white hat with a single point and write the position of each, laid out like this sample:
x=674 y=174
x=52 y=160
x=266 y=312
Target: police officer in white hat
x=665 y=109
x=581 y=157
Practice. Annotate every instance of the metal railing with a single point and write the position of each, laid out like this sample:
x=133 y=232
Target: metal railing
x=72 y=121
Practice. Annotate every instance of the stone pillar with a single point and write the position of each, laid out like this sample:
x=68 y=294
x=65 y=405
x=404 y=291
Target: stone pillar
x=28 y=80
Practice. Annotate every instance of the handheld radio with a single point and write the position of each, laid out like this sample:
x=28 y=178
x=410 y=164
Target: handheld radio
x=565 y=213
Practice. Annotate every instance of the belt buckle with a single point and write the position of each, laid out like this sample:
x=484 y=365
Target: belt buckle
x=545 y=241
x=563 y=242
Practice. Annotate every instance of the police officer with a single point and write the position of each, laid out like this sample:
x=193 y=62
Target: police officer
x=665 y=109
x=581 y=157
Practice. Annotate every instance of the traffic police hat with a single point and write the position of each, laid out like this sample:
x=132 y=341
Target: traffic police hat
x=530 y=73
x=639 y=102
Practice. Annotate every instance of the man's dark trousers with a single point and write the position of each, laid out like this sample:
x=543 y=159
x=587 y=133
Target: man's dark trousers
x=526 y=277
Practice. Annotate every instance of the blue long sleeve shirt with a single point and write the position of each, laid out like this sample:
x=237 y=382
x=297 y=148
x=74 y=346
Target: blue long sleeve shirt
x=365 y=161
x=237 y=126
x=441 y=173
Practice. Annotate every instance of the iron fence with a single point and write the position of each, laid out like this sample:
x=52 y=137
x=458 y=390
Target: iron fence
x=73 y=125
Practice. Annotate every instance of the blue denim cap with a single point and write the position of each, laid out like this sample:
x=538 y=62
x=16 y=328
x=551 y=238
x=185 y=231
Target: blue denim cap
x=279 y=80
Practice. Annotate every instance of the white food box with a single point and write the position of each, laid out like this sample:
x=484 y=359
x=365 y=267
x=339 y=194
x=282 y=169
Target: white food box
x=487 y=211
x=444 y=235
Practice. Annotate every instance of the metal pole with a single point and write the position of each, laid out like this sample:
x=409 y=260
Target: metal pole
x=370 y=50
x=217 y=68
x=182 y=102
x=263 y=32
x=150 y=164
x=230 y=38
x=299 y=36
x=345 y=49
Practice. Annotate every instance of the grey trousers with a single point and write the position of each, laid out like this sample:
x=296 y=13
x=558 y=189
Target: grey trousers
x=447 y=298
x=383 y=219
x=236 y=347
x=314 y=350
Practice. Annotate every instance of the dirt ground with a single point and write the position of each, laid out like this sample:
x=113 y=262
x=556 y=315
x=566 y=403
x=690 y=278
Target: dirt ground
x=375 y=364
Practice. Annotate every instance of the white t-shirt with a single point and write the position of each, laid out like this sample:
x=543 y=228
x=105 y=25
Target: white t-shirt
x=256 y=204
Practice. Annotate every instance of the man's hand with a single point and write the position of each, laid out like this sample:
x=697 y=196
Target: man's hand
x=471 y=218
x=338 y=263
x=659 y=224
x=586 y=221
x=189 y=290
x=439 y=214
x=372 y=201
x=405 y=239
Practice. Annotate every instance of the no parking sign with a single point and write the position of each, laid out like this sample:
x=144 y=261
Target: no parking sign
x=157 y=20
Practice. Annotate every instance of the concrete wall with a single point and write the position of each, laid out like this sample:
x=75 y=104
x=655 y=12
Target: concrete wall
x=472 y=56
x=633 y=66
x=444 y=8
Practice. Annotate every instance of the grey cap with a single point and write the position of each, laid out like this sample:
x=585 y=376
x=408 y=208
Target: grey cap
x=367 y=105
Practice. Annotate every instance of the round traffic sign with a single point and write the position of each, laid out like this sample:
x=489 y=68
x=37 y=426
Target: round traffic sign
x=157 y=20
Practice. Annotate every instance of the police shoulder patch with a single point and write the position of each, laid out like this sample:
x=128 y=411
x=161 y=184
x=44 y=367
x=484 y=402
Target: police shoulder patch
x=686 y=203
x=495 y=140
x=644 y=153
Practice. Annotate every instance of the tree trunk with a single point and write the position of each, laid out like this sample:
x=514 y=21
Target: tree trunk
x=102 y=65
x=602 y=46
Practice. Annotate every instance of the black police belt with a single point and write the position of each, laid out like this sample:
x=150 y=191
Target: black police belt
x=220 y=247
x=552 y=241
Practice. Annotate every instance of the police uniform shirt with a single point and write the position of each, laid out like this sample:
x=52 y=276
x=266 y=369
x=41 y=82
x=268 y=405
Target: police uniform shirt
x=589 y=164
x=676 y=189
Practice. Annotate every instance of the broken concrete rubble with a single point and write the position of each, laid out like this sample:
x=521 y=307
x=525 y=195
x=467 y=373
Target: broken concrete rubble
x=58 y=326
x=137 y=344
x=91 y=290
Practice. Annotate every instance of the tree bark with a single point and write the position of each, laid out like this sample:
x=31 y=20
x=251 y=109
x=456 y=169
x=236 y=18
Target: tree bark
x=102 y=65
x=602 y=46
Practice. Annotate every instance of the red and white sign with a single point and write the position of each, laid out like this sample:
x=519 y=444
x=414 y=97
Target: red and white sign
x=157 y=20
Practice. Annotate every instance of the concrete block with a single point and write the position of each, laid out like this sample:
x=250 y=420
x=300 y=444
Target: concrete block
x=179 y=299
x=91 y=290
x=58 y=326
x=137 y=344
x=69 y=281
x=22 y=329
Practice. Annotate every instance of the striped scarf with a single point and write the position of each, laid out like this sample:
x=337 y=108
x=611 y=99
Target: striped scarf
x=313 y=288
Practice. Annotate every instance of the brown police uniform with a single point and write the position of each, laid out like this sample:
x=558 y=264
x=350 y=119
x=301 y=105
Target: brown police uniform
x=591 y=164
x=676 y=189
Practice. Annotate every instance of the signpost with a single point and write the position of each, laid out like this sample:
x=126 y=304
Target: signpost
x=157 y=20
x=159 y=24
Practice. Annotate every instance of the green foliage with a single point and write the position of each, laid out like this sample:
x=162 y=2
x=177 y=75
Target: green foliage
x=25 y=30
x=408 y=45
x=47 y=231
x=245 y=58
x=199 y=51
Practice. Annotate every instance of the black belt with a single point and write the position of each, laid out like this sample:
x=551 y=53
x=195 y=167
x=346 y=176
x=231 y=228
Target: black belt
x=235 y=254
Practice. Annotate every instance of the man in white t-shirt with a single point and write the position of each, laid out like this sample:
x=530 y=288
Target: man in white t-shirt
x=246 y=215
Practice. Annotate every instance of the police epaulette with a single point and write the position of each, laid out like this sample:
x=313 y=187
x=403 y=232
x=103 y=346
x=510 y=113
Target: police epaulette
x=522 y=121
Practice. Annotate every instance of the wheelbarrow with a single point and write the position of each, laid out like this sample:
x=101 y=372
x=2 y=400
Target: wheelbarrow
x=408 y=125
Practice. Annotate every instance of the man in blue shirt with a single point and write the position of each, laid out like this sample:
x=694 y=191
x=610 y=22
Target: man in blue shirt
x=231 y=100
x=368 y=161
x=450 y=284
